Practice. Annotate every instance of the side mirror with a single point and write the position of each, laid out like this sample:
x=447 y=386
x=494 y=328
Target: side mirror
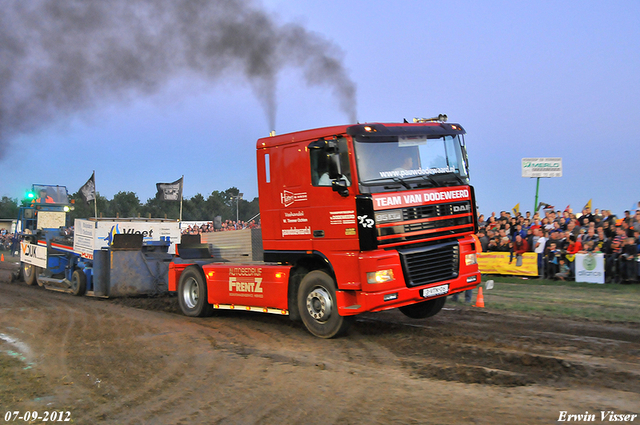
x=340 y=186
x=465 y=158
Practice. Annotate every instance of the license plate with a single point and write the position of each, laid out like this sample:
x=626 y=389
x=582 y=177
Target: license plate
x=435 y=291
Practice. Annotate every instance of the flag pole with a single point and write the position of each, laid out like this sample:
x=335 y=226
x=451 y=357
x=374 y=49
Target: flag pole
x=181 y=188
x=95 y=196
x=537 y=189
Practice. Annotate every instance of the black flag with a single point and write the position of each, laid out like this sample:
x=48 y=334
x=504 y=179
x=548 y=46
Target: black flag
x=170 y=191
x=88 y=191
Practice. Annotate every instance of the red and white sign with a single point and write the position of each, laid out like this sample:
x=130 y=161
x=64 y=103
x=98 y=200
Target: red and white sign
x=413 y=198
x=287 y=198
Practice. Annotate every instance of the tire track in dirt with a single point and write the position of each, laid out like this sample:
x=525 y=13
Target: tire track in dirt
x=250 y=355
x=507 y=357
x=133 y=381
x=468 y=358
x=165 y=368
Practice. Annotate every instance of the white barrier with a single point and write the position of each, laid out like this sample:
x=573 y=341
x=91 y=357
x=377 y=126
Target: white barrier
x=589 y=268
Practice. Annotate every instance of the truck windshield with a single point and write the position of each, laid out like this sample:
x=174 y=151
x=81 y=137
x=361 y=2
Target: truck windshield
x=48 y=194
x=413 y=161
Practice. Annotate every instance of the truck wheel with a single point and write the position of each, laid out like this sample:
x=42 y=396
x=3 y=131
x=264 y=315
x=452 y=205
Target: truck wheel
x=29 y=273
x=78 y=283
x=318 y=308
x=192 y=293
x=424 y=309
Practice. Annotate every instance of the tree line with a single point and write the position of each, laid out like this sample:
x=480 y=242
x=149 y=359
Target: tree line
x=127 y=204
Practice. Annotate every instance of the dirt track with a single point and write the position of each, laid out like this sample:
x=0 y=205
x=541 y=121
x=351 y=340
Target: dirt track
x=138 y=361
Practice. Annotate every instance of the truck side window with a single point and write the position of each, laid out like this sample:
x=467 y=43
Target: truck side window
x=320 y=165
x=267 y=168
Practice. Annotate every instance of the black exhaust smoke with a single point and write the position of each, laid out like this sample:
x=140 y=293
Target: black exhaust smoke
x=61 y=56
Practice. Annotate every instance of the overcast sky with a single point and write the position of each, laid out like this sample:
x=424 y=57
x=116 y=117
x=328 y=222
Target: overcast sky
x=525 y=79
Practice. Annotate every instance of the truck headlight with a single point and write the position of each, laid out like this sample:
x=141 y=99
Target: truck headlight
x=470 y=259
x=380 y=276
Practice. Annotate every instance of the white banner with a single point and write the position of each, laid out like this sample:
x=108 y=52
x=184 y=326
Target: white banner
x=93 y=235
x=589 y=268
x=33 y=254
x=541 y=167
x=83 y=238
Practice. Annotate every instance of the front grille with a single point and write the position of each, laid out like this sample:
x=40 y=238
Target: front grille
x=430 y=264
x=416 y=227
x=443 y=223
x=440 y=210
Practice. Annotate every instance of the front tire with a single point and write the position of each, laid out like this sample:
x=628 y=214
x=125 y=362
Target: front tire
x=29 y=272
x=78 y=283
x=424 y=309
x=192 y=293
x=318 y=308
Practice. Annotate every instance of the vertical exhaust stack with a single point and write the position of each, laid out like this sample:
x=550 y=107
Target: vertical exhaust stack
x=272 y=133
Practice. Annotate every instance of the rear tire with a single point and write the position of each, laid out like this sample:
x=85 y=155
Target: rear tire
x=78 y=283
x=424 y=309
x=38 y=272
x=29 y=273
x=318 y=308
x=193 y=294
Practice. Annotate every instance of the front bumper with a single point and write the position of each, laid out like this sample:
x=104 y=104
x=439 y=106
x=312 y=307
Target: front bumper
x=355 y=302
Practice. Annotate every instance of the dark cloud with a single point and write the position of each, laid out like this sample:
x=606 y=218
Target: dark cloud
x=62 y=56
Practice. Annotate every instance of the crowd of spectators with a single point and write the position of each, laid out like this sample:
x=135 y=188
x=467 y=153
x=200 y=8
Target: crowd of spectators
x=6 y=239
x=557 y=236
x=224 y=226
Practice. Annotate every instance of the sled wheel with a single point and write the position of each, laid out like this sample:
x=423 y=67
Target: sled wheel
x=424 y=309
x=78 y=283
x=38 y=272
x=318 y=307
x=192 y=293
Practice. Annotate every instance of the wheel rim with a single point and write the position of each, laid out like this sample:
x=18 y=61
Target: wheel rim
x=319 y=304
x=74 y=282
x=190 y=293
x=28 y=270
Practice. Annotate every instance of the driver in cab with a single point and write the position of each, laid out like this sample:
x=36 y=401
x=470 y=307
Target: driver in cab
x=43 y=198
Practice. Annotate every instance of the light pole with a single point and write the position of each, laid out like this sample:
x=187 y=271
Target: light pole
x=237 y=215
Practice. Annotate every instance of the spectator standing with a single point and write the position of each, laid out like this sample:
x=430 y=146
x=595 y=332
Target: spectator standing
x=590 y=236
x=520 y=246
x=539 y=247
x=612 y=254
x=504 y=245
x=635 y=221
x=597 y=215
x=468 y=296
x=627 y=261
x=552 y=256
x=493 y=245
x=484 y=240
x=602 y=239
x=586 y=213
x=572 y=249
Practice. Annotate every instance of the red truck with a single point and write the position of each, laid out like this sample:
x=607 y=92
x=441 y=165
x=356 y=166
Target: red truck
x=355 y=218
